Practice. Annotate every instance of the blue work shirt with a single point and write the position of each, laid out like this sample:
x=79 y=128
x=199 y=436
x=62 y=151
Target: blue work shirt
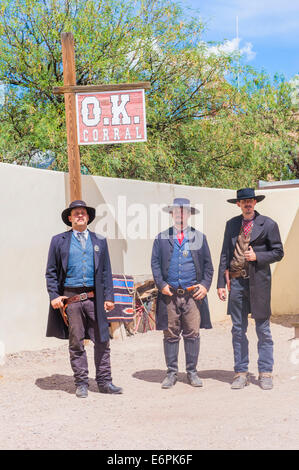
x=80 y=268
x=181 y=272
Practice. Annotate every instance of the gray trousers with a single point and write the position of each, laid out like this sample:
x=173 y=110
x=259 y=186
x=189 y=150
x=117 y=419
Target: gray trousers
x=82 y=322
x=183 y=318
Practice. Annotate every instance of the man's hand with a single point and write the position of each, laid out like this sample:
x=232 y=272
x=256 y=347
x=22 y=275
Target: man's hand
x=166 y=290
x=222 y=293
x=250 y=254
x=108 y=305
x=58 y=302
x=200 y=293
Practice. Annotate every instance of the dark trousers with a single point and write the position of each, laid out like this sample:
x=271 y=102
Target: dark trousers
x=82 y=322
x=239 y=308
x=183 y=317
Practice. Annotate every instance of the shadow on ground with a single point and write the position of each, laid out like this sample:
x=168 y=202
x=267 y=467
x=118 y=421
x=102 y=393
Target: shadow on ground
x=285 y=320
x=156 y=375
x=64 y=383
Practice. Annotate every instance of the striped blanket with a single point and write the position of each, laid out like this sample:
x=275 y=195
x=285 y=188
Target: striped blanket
x=123 y=287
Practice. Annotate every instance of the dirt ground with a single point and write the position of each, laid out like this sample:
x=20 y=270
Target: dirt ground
x=39 y=409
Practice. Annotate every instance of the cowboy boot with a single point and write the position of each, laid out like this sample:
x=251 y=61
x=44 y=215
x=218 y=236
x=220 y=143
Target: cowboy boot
x=192 y=351
x=171 y=351
x=241 y=380
x=266 y=380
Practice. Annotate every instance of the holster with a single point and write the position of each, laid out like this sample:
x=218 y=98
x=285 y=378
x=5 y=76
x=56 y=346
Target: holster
x=227 y=278
x=63 y=313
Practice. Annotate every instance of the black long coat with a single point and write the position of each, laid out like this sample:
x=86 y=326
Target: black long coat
x=56 y=274
x=266 y=243
x=161 y=256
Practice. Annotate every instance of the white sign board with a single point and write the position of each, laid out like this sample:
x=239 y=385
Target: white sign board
x=111 y=117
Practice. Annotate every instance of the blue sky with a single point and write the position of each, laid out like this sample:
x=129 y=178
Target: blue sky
x=268 y=30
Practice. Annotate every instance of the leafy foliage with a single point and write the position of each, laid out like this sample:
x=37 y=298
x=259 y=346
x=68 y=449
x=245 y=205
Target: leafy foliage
x=202 y=130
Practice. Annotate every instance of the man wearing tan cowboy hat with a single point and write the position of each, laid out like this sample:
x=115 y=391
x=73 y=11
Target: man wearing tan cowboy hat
x=251 y=243
x=79 y=283
x=183 y=271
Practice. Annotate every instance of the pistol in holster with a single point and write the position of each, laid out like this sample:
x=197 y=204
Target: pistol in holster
x=63 y=312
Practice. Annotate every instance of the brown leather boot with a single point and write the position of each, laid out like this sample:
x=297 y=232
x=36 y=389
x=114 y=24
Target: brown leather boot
x=241 y=380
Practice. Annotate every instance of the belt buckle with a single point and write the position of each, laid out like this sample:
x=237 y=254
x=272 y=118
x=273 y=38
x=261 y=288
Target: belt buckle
x=244 y=274
x=180 y=291
x=83 y=296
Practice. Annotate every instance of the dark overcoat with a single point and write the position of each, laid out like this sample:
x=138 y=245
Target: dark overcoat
x=161 y=256
x=266 y=243
x=56 y=274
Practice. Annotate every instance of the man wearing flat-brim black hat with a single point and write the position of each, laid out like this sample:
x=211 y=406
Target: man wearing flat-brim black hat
x=182 y=269
x=251 y=243
x=80 y=286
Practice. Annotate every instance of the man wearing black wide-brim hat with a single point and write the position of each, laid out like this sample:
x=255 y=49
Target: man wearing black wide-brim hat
x=251 y=243
x=80 y=286
x=182 y=269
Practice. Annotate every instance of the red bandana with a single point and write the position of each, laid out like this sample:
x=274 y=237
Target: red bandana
x=180 y=237
x=247 y=226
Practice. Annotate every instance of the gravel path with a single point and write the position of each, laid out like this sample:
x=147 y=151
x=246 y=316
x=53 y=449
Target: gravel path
x=39 y=410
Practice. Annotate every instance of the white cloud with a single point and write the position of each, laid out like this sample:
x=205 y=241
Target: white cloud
x=133 y=57
x=3 y=91
x=229 y=47
x=247 y=51
x=294 y=82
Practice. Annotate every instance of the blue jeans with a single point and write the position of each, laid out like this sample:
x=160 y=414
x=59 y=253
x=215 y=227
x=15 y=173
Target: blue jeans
x=239 y=308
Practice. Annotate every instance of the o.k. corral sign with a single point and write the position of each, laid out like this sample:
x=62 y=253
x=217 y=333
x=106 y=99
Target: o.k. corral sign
x=97 y=114
x=111 y=117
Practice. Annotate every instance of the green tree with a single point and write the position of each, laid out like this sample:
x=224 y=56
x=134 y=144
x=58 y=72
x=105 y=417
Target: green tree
x=201 y=129
x=254 y=138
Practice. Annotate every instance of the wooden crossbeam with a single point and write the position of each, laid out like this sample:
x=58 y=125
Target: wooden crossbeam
x=59 y=90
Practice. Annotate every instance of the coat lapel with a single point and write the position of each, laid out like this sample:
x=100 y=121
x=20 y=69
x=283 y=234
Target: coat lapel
x=65 y=249
x=191 y=234
x=192 y=240
x=257 y=227
x=236 y=229
x=194 y=245
x=97 y=244
x=170 y=237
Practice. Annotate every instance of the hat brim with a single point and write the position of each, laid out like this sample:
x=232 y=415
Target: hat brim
x=67 y=212
x=258 y=199
x=170 y=209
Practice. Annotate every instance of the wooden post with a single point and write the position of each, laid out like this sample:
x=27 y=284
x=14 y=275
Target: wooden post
x=296 y=326
x=69 y=79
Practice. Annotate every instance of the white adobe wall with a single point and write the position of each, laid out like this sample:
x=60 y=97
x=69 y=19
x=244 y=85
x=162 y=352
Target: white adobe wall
x=32 y=202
